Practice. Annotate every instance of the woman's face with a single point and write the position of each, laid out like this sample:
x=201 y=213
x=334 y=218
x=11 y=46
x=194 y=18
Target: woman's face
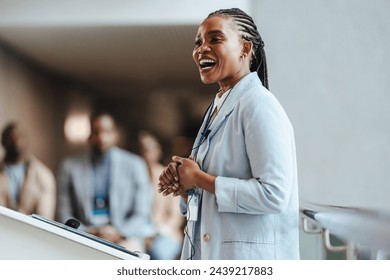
x=217 y=52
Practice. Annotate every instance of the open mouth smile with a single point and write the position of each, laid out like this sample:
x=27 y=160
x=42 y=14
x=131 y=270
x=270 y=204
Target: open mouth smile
x=206 y=64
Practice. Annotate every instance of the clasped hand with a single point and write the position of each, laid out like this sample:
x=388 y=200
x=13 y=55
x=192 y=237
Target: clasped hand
x=178 y=176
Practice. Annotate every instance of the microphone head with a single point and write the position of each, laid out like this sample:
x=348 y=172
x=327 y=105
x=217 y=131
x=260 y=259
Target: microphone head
x=72 y=223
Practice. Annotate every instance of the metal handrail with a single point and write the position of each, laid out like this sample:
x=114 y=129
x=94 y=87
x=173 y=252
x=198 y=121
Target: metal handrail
x=355 y=226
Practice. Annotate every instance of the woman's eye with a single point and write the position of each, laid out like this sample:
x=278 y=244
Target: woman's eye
x=198 y=43
x=215 y=39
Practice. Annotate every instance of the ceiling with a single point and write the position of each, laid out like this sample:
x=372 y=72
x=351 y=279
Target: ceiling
x=112 y=58
x=118 y=46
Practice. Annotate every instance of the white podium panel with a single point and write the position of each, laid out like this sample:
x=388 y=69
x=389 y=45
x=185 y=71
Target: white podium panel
x=25 y=237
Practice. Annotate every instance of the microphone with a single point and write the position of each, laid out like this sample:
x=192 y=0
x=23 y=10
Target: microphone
x=72 y=223
x=206 y=133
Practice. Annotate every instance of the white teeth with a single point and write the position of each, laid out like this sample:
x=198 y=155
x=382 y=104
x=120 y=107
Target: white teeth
x=206 y=61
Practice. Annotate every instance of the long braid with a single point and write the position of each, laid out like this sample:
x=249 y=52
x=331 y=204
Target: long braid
x=247 y=26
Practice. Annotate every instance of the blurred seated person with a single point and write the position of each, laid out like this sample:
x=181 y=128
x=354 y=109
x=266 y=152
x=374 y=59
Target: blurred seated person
x=166 y=245
x=26 y=184
x=107 y=189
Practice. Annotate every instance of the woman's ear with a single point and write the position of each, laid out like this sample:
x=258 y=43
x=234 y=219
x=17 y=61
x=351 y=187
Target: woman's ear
x=247 y=47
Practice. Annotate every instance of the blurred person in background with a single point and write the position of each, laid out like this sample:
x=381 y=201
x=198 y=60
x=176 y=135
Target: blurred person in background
x=166 y=244
x=107 y=189
x=26 y=184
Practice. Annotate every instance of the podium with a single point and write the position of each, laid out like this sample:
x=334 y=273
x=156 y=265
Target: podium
x=24 y=237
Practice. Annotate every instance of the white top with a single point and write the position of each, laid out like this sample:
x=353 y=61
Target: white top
x=218 y=101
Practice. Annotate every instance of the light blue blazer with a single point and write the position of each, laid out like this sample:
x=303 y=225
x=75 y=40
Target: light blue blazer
x=130 y=193
x=254 y=213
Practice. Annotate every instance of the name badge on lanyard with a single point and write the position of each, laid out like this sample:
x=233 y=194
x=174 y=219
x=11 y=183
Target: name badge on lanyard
x=101 y=213
x=193 y=206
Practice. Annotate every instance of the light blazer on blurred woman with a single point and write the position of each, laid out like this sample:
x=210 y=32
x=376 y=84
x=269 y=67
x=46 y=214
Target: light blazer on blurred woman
x=26 y=184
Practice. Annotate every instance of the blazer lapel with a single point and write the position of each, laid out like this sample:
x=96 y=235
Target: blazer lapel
x=201 y=129
x=230 y=102
x=226 y=109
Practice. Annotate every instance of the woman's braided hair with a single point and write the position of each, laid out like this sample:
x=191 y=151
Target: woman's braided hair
x=250 y=33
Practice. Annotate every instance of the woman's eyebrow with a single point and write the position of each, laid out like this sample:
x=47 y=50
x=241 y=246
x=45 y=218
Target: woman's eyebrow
x=212 y=32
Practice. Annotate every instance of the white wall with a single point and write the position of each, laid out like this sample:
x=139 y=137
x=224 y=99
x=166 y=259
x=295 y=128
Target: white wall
x=329 y=66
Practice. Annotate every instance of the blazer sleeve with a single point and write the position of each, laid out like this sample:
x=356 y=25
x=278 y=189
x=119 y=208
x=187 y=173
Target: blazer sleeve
x=269 y=144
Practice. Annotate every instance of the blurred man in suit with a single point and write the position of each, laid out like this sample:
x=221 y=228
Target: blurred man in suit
x=107 y=189
x=26 y=184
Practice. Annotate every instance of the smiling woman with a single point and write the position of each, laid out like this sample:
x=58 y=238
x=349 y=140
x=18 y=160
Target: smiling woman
x=224 y=41
x=239 y=187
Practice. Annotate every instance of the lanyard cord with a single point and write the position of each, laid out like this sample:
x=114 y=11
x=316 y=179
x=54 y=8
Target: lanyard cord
x=205 y=133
